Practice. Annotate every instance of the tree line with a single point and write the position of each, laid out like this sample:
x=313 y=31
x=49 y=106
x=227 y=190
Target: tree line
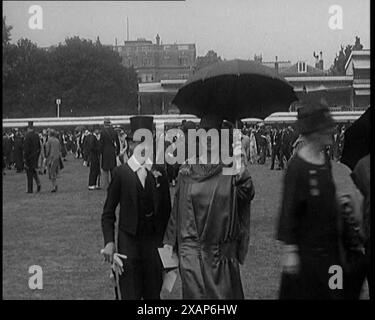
x=87 y=76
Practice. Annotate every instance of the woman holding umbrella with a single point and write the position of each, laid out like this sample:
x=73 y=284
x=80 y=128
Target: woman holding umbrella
x=209 y=224
x=210 y=220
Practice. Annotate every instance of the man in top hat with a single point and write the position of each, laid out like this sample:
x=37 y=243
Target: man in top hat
x=143 y=194
x=31 y=155
x=110 y=149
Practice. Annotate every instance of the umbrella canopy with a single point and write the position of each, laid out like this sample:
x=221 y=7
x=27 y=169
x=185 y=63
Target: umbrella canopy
x=357 y=140
x=235 y=89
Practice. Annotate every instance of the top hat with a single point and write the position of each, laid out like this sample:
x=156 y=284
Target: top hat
x=30 y=124
x=140 y=122
x=314 y=117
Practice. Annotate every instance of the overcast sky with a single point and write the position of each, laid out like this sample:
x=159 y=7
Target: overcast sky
x=290 y=29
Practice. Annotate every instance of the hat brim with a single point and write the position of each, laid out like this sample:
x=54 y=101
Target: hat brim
x=320 y=127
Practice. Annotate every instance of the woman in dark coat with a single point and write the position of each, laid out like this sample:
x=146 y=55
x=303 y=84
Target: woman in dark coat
x=209 y=228
x=309 y=222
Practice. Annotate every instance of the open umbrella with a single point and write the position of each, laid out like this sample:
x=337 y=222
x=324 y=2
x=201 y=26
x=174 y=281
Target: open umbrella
x=357 y=140
x=235 y=89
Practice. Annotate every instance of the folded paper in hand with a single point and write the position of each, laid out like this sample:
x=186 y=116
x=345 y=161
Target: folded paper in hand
x=169 y=262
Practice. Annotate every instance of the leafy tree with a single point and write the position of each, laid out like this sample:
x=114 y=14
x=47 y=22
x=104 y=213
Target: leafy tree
x=6 y=32
x=204 y=61
x=6 y=47
x=91 y=80
x=23 y=92
x=357 y=44
x=88 y=77
x=338 y=67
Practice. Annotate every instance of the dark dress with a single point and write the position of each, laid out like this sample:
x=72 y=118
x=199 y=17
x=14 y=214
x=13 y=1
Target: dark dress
x=309 y=218
x=209 y=226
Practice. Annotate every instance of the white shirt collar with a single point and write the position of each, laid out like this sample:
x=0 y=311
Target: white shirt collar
x=134 y=164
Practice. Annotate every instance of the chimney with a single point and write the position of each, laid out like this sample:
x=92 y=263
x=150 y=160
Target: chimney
x=316 y=60
x=157 y=39
x=321 y=65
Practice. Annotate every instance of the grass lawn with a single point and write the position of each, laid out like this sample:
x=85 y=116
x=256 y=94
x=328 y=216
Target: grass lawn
x=61 y=232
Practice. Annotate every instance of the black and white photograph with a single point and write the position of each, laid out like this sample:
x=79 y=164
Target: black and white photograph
x=186 y=151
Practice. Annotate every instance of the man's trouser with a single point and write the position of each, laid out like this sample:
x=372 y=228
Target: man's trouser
x=32 y=174
x=143 y=271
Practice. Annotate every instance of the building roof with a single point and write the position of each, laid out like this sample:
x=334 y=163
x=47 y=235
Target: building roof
x=282 y=65
x=293 y=71
x=155 y=87
x=359 y=55
x=304 y=78
x=361 y=64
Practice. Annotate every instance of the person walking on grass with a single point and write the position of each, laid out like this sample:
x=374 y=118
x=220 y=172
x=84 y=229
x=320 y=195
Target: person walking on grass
x=143 y=194
x=94 y=159
x=110 y=149
x=53 y=155
x=31 y=153
x=210 y=221
x=309 y=217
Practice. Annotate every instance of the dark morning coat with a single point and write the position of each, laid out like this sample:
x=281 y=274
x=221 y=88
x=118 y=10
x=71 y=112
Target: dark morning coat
x=110 y=148
x=123 y=191
x=31 y=150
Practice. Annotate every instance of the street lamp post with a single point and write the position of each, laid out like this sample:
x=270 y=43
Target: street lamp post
x=58 y=102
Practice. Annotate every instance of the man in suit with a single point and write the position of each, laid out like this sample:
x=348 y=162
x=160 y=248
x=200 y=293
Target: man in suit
x=31 y=151
x=110 y=149
x=262 y=144
x=143 y=193
x=18 y=151
x=94 y=159
x=286 y=143
x=276 y=148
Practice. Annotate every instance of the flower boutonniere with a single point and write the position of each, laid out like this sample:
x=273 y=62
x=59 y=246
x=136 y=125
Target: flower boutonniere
x=156 y=175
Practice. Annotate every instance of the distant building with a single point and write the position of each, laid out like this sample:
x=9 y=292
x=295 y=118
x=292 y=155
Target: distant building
x=358 y=67
x=342 y=93
x=302 y=69
x=154 y=62
x=348 y=92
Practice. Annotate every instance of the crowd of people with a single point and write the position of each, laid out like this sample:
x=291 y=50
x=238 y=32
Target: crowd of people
x=319 y=221
x=39 y=152
x=207 y=224
x=93 y=145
